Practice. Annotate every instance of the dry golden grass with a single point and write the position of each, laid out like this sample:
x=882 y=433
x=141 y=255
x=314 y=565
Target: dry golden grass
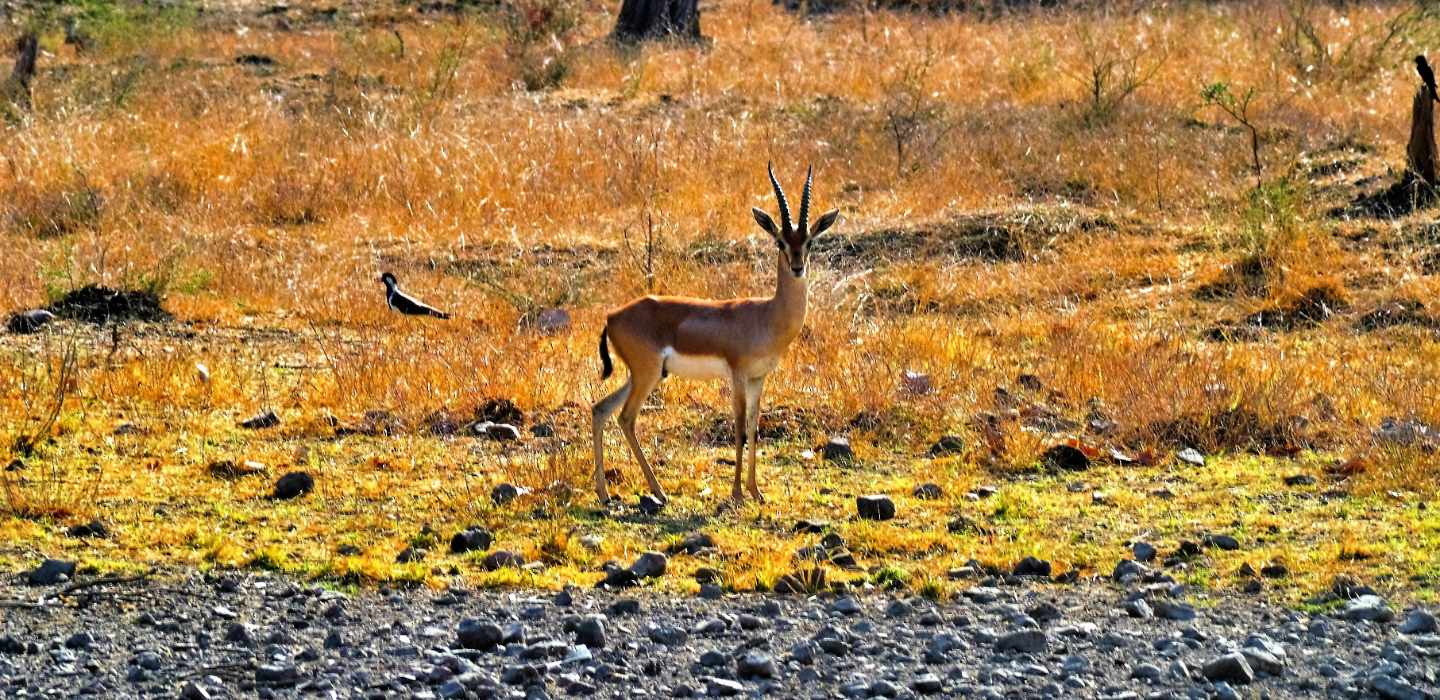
x=1025 y=227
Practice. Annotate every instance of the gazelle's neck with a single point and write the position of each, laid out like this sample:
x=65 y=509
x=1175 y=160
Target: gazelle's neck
x=788 y=304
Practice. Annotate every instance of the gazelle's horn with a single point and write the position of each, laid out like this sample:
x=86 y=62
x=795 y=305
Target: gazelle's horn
x=780 y=197
x=805 y=201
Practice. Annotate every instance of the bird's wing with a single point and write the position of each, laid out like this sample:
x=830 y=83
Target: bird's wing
x=409 y=305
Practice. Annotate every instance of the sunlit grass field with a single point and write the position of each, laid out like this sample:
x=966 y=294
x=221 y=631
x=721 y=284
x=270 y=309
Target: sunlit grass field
x=1049 y=213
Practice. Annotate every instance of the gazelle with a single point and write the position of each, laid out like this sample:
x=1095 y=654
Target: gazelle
x=736 y=339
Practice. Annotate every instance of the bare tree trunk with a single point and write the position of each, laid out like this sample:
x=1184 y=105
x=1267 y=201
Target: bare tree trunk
x=656 y=19
x=17 y=88
x=1420 y=155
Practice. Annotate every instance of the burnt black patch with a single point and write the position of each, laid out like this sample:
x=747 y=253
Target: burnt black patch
x=101 y=305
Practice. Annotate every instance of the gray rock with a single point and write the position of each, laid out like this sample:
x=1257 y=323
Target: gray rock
x=1369 y=608
x=194 y=691
x=625 y=606
x=293 y=485
x=928 y=492
x=669 y=635
x=649 y=565
x=1230 y=668
x=946 y=446
x=884 y=689
x=1170 y=610
x=722 y=687
x=1147 y=672
x=898 y=608
x=1030 y=566
x=30 y=321
x=1139 y=609
x=505 y=493
x=1191 y=456
x=1044 y=612
x=1262 y=661
x=475 y=539
x=1143 y=551
x=1224 y=542
x=875 y=507
x=804 y=652
x=80 y=640
x=240 y=633
x=264 y=419
x=148 y=660
x=282 y=675
x=51 y=572
x=14 y=647
x=591 y=631
x=1419 y=621
x=478 y=634
x=521 y=674
x=755 y=664
x=713 y=659
x=1029 y=641
x=927 y=684
x=837 y=449
x=552 y=320
x=846 y=606
x=1392 y=688
x=1126 y=568
x=94 y=528
x=502 y=559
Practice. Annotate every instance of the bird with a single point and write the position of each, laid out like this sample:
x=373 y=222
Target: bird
x=1423 y=68
x=406 y=304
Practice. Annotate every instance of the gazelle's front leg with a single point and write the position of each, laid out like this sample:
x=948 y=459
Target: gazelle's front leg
x=739 y=390
x=754 y=388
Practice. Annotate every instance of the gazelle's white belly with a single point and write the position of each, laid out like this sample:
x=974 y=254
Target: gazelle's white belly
x=694 y=366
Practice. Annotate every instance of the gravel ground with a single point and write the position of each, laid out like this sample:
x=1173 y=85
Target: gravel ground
x=241 y=635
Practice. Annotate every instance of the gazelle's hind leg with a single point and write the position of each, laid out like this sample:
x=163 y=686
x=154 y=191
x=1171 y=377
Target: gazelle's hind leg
x=643 y=382
x=602 y=411
x=754 y=389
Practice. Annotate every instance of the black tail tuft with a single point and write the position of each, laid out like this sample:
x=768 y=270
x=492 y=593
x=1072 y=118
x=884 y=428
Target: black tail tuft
x=606 y=369
x=440 y=314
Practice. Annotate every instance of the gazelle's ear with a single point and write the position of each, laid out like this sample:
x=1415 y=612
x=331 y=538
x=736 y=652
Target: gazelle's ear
x=826 y=221
x=765 y=222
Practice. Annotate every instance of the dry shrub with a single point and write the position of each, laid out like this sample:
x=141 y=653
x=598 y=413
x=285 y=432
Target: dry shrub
x=1110 y=68
x=67 y=204
x=40 y=393
x=915 y=121
x=536 y=33
x=1316 y=53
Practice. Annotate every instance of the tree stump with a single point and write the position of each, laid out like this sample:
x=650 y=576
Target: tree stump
x=1420 y=154
x=16 y=89
x=640 y=20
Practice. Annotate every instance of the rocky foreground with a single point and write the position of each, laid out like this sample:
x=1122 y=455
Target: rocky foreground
x=237 y=635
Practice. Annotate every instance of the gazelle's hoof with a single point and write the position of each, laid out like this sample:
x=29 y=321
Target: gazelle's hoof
x=755 y=494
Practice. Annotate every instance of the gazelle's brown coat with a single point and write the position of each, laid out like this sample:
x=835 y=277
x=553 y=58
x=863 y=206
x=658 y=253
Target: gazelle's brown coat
x=740 y=339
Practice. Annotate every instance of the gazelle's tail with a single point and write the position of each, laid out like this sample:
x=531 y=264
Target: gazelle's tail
x=606 y=369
